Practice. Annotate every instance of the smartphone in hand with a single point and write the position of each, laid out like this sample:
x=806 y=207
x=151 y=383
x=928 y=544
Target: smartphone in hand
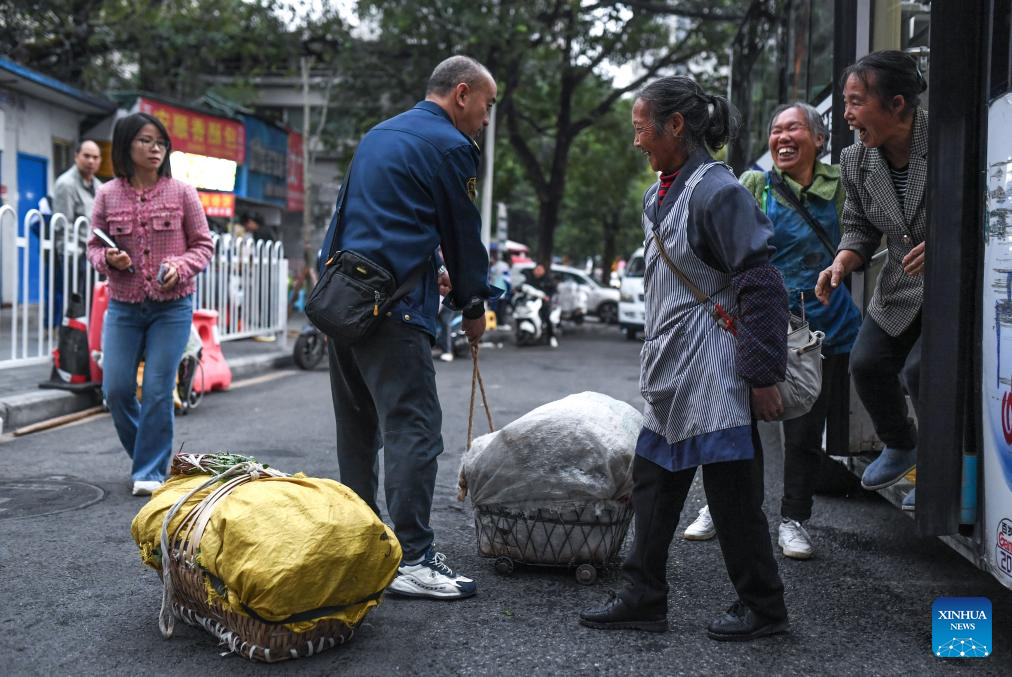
x=163 y=271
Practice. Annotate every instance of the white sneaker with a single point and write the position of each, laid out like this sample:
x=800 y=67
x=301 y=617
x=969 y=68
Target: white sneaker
x=431 y=579
x=702 y=528
x=446 y=357
x=553 y=342
x=795 y=540
x=145 y=487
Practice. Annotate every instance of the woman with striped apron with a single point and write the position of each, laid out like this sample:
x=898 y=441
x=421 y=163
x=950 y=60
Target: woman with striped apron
x=708 y=370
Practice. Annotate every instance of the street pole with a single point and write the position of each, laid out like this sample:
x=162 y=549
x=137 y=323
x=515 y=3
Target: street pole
x=486 y=181
x=307 y=212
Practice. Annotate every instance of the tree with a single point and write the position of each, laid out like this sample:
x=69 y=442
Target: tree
x=601 y=214
x=161 y=46
x=549 y=57
x=754 y=33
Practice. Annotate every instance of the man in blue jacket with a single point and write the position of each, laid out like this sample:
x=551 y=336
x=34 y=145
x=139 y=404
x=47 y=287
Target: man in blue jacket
x=411 y=189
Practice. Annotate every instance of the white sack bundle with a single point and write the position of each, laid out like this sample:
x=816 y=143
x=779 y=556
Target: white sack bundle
x=572 y=451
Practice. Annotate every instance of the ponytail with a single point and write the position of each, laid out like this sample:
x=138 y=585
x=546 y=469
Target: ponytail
x=709 y=119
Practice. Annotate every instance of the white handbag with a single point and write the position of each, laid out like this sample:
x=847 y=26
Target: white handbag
x=803 y=382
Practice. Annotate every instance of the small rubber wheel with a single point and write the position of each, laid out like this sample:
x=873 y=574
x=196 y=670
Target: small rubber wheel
x=504 y=565
x=586 y=574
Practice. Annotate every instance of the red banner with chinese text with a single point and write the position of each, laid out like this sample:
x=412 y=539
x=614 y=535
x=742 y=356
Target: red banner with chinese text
x=218 y=204
x=198 y=133
x=296 y=186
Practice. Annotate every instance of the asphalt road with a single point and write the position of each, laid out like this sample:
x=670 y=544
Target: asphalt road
x=75 y=599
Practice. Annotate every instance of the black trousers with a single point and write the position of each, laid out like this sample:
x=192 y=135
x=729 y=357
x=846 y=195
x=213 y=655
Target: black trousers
x=734 y=492
x=384 y=392
x=803 y=453
x=877 y=362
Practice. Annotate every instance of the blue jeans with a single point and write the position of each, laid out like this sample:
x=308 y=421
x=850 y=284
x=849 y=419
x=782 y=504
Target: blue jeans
x=157 y=332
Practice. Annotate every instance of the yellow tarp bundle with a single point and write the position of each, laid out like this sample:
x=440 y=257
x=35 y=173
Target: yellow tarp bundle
x=282 y=546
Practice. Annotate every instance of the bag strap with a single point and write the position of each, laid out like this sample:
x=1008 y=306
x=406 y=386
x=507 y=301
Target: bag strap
x=781 y=187
x=722 y=317
x=331 y=239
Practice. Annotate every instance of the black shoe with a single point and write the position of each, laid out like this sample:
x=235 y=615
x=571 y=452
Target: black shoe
x=740 y=625
x=617 y=615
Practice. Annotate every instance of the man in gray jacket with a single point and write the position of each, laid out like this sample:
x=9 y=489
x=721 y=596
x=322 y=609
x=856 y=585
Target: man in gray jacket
x=74 y=191
x=73 y=196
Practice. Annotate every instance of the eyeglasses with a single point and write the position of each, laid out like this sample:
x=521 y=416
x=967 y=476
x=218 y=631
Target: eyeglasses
x=148 y=142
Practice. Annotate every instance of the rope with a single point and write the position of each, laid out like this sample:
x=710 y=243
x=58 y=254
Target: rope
x=197 y=517
x=476 y=378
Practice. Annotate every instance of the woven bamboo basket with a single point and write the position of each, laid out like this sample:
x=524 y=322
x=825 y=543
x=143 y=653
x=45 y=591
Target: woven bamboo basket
x=185 y=588
x=251 y=638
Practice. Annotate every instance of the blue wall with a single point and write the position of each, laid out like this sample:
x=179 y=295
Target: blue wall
x=263 y=175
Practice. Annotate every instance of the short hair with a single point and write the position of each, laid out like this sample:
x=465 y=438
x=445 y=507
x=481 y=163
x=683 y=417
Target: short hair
x=896 y=74
x=709 y=118
x=453 y=71
x=80 y=145
x=123 y=138
x=816 y=125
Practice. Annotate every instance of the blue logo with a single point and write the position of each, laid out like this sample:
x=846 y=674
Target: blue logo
x=961 y=627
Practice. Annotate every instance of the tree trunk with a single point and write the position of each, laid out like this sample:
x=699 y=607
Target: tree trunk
x=611 y=227
x=748 y=46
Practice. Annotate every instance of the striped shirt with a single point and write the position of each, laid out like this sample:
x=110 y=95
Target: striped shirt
x=899 y=177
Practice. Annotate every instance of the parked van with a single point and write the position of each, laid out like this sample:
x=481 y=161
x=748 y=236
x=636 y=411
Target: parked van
x=630 y=302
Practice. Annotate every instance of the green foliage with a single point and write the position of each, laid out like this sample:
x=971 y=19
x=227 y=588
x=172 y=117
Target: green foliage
x=153 y=45
x=554 y=62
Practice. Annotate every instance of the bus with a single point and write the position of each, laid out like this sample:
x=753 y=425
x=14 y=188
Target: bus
x=964 y=469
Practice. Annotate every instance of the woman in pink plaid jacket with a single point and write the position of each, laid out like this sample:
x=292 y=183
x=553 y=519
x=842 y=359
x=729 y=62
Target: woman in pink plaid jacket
x=162 y=243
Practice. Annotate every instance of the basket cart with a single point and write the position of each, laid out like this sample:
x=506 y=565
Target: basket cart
x=585 y=537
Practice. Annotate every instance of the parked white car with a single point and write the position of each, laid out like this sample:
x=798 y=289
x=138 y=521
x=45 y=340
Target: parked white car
x=631 y=312
x=601 y=301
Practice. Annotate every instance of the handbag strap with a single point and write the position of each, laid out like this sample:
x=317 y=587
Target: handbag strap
x=781 y=187
x=722 y=317
x=331 y=239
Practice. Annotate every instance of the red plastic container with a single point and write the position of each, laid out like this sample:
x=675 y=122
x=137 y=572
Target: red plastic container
x=99 y=304
x=214 y=374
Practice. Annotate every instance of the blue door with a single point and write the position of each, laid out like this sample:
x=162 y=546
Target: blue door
x=31 y=189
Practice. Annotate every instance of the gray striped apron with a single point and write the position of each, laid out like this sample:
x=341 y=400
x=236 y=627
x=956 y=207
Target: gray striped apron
x=687 y=364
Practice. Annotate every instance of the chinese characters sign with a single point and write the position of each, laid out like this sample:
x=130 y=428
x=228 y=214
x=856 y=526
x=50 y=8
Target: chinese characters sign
x=198 y=133
x=218 y=204
x=295 y=183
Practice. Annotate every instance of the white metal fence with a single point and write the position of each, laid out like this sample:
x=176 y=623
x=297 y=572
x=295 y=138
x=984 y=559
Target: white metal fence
x=246 y=282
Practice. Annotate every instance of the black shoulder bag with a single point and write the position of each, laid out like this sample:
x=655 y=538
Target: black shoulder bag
x=354 y=293
x=781 y=187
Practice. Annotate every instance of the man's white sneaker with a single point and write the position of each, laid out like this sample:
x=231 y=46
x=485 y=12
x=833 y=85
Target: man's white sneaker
x=145 y=487
x=446 y=357
x=795 y=540
x=553 y=342
x=431 y=579
x=702 y=528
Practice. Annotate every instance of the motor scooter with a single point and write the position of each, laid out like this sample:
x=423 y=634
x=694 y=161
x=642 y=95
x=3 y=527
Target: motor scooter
x=310 y=347
x=527 y=304
x=458 y=339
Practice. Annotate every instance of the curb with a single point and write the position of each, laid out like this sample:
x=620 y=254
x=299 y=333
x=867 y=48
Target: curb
x=24 y=409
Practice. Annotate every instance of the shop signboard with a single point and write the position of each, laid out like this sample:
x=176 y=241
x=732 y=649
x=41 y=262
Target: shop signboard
x=199 y=133
x=220 y=205
x=296 y=190
x=996 y=363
